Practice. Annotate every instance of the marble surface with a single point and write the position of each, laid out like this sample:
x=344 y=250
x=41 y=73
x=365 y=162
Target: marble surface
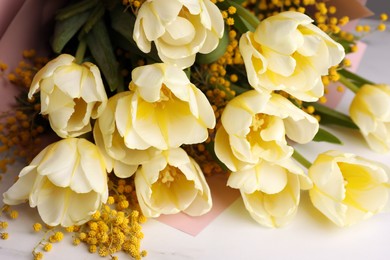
x=233 y=234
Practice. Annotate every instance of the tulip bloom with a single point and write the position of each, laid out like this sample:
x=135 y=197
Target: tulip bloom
x=172 y=182
x=165 y=111
x=287 y=52
x=114 y=144
x=179 y=29
x=67 y=182
x=70 y=95
x=370 y=111
x=254 y=127
x=348 y=188
x=271 y=191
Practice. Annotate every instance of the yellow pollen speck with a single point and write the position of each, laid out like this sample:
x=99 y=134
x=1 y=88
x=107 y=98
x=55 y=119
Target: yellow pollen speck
x=37 y=227
x=232 y=10
x=340 y=89
x=381 y=27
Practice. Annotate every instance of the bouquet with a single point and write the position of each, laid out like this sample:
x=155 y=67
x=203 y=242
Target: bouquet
x=145 y=100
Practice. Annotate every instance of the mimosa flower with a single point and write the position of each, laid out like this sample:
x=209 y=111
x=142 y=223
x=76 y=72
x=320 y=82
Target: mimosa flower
x=348 y=188
x=172 y=182
x=254 y=127
x=179 y=29
x=271 y=191
x=70 y=95
x=67 y=182
x=370 y=111
x=287 y=52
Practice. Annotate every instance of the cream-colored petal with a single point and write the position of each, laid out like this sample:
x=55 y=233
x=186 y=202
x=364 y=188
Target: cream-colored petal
x=81 y=208
x=280 y=32
x=19 y=192
x=150 y=21
x=60 y=162
x=93 y=166
x=167 y=15
x=254 y=204
x=123 y=170
x=149 y=79
x=280 y=63
x=224 y=152
x=47 y=71
x=179 y=32
x=203 y=201
x=216 y=19
x=332 y=209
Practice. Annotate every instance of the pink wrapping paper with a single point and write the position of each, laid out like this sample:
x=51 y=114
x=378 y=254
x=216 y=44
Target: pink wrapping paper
x=23 y=25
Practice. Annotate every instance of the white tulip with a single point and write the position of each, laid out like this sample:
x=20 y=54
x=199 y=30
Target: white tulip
x=348 y=188
x=70 y=95
x=271 y=191
x=179 y=29
x=67 y=182
x=370 y=111
x=166 y=109
x=287 y=52
x=254 y=127
x=113 y=144
x=172 y=182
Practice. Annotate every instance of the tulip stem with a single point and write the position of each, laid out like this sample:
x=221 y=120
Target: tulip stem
x=80 y=52
x=302 y=160
x=348 y=83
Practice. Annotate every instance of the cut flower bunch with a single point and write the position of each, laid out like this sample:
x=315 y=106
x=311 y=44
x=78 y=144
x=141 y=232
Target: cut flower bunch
x=150 y=98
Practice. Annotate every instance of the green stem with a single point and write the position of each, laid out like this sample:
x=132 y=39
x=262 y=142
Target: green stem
x=346 y=82
x=356 y=78
x=302 y=160
x=81 y=51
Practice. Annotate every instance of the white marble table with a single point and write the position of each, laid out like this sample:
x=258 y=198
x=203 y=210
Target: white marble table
x=233 y=234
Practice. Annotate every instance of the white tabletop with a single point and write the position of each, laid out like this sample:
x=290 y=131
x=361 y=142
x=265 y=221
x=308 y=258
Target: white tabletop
x=234 y=234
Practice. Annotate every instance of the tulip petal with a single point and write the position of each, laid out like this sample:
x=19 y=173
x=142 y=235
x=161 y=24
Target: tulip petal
x=167 y=15
x=203 y=202
x=254 y=204
x=20 y=191
x=54 y=165
x=149 y=80
x=93 y=169
x=47 y=71
x=224 y=152
x=61 y=206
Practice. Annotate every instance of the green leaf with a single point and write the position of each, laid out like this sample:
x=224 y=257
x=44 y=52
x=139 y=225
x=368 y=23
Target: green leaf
x=325 y=136
x=95 y=16
x=123 y=23
x=331 y=116
x=73 y=9
x=217 y=53
x=66 y=29
x=99 y=44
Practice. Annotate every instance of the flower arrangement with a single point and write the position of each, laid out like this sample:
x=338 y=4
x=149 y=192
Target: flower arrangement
x=147 y=99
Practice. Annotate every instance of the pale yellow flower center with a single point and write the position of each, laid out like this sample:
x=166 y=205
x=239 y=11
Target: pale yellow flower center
x=259 y=121
x=168 y=175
